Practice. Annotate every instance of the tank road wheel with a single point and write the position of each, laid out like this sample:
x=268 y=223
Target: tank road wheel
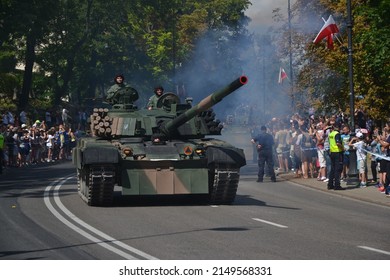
x=223 y=184
x=97 y=185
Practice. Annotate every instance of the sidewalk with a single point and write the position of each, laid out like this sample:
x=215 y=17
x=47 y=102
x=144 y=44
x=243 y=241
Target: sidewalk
x=369 y=194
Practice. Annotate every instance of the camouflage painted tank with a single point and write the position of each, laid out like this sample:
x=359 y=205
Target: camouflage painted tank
x=164 y=151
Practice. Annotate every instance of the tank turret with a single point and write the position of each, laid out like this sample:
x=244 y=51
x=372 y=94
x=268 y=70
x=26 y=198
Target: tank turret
x=163 y=151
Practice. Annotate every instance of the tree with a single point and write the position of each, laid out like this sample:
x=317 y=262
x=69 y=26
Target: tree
x=73 y=48
x=324 y=74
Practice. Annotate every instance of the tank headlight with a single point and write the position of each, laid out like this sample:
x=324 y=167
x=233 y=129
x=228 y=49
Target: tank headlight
x=199 y=152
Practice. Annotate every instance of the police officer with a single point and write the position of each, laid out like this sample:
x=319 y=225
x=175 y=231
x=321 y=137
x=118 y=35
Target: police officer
x=336 y=158
x=264 y=141
x=158 y=92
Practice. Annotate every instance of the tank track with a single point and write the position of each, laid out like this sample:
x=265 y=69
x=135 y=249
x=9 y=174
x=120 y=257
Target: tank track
x=223 y=185
x=96 y=185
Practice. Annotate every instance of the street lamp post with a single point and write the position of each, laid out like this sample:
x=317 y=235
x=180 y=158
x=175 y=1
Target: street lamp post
x=290 y=52
x=350 y=65
x=352 y=170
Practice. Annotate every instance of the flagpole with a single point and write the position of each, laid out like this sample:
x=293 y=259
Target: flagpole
x=350 y=66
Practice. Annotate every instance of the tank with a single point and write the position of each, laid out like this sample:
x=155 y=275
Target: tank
x=165 y=151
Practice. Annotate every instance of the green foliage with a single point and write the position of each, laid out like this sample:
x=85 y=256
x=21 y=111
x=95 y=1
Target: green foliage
x=78 y=46
x=7 y=59
x=9 y=82
x=324 y=73
x=7 y=104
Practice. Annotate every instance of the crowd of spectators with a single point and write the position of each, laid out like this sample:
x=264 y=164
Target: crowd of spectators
x=301 y=143
x=302 y=146
x=25 y=141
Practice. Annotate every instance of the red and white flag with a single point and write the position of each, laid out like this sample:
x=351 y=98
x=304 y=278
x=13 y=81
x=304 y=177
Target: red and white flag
x=329 y=42
x=327 y=31
x=282 y=75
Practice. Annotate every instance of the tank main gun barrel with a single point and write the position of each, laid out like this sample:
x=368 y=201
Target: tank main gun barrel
x=203 y=105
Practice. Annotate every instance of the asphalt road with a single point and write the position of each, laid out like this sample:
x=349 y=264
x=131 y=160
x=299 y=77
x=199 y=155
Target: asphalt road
x=42 y=217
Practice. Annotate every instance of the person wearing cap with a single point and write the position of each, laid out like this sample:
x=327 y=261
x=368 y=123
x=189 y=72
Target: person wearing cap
x=158 y=92
x=264 y=142
x=357 y=142
x=336 y=149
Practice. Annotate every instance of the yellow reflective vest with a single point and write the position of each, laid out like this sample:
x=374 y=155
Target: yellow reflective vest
x=332 y=142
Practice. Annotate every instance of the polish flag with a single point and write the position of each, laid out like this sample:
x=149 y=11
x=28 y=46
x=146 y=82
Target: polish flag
x=329 y=41
x=282 y=75
x=327 y=31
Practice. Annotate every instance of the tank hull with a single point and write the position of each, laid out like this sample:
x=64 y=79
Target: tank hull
x=162 y=171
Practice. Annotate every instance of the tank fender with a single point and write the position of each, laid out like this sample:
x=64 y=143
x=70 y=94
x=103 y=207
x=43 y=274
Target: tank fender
x=100 y=154
x=225 y=155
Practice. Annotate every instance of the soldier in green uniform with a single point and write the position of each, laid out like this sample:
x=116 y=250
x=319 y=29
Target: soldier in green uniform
x=119 y=83
x=119 y=90
x=158 y=91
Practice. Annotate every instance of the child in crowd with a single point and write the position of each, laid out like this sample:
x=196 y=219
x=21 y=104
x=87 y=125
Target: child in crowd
x=361 y=155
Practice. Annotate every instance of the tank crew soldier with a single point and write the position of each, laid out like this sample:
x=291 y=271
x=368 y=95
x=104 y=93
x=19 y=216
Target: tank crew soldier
x=119 y=81
x=158 y=92
x=336 y=150
x=264 y=141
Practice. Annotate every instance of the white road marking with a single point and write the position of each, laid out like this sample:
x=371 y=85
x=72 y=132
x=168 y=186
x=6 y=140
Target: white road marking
x=270 y=223
x=374 y=250
x=105 y=238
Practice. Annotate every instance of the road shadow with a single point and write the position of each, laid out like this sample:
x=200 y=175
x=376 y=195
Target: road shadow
x=186 y=200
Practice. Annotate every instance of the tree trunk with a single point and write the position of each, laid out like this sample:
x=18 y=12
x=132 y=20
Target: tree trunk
x=28 y=70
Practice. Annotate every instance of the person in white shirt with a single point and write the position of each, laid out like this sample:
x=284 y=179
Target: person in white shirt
x=361 y=157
